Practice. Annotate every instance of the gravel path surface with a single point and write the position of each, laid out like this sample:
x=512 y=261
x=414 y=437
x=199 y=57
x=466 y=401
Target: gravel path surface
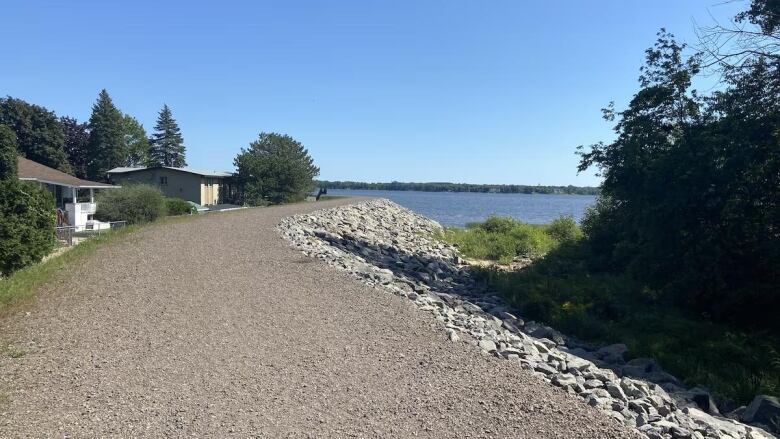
x=214 y=327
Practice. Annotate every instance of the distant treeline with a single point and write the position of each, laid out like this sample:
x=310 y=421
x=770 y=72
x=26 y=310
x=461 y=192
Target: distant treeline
x=461 y=187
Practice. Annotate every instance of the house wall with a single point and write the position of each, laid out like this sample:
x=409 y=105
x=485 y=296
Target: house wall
x=210 y=190
x=174 y=184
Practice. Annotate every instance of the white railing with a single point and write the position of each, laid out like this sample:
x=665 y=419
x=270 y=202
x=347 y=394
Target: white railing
x=69 y=235
x=87 y=207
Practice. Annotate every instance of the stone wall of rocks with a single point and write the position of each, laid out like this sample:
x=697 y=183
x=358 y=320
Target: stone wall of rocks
x=392 y=248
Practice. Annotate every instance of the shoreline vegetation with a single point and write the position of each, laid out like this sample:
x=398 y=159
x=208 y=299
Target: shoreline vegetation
x=461 y=187
x=560 y=288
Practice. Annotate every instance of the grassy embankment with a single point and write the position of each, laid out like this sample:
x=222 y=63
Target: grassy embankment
x=561 y=290
x=20 y=287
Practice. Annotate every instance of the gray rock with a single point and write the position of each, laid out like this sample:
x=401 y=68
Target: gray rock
x=487 y=345
x=564 y=380
x=391 y=248
x=615 y=391
x=613 y=353
x=702 y=399
x=593 y=384
x=545 y=369
x=765 y=410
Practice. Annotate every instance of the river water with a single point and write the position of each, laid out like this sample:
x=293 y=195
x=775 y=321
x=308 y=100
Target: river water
x=459 y=208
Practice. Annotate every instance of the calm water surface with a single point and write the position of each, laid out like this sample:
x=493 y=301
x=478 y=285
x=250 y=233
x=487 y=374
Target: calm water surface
x=459 y=208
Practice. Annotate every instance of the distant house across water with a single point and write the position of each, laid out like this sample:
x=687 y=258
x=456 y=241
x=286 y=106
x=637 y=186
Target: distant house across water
x=198 y=186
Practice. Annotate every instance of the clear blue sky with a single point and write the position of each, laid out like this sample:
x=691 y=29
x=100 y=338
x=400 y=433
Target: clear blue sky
x=464 y=91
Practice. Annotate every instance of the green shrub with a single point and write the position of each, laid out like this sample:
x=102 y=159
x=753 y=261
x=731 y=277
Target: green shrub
x=564 y=229
x=531 y=240
x=502 y=239
x=27 y=220
x=498 y=224
x=177 y=206
x=561 y=291
x=134 y=204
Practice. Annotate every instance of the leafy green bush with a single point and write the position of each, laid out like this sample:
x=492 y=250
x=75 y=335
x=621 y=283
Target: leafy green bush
x=134 y=204
x=503 y=238
x=27 y=220
x=177 y=206
x=564 y=229
x=498 y=224
x=27 y=215
x=561 y=291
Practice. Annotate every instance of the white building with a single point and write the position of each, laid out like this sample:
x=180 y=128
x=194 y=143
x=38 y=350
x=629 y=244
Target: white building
x=73 y=197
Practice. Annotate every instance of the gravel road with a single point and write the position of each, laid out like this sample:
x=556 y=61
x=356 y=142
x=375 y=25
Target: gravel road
x=214 y=327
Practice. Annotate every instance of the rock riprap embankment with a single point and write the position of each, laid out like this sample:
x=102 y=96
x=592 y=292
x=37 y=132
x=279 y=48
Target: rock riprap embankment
x=394 y=249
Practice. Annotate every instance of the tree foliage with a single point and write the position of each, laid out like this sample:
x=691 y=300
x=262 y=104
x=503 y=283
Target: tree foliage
x=39 y=133
x=690 y=201
x=167 y=144
x=26 y=213
x=460 y=187
x=135 y=142
x=8 y=153
x=76 y=144
x=275 y=169
x=106 y=138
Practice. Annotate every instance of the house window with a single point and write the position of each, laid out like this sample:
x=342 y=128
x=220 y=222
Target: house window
x=163 y=181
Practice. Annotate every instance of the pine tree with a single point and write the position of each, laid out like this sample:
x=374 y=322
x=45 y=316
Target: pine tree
x=106 y=138
x=275 y=169
x=167 y=145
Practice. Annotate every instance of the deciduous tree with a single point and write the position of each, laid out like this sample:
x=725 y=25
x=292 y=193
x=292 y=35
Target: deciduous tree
x=136 y=142
x=39 y=134
x=76 y=144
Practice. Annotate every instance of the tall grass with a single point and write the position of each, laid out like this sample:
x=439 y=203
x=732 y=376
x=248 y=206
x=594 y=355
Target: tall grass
x=562 y=289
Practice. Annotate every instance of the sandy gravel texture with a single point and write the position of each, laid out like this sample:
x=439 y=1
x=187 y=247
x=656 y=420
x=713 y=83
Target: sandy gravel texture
x=215 y=327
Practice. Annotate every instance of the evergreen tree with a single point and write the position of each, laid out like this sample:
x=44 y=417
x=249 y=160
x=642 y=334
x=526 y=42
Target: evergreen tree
x=167 y=145
x=8 y=153
x=76 y=142
x=275 y=169
x=136 y=142
x=106 y=138
x=38 y=132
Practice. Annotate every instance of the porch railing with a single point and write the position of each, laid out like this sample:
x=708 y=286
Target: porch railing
x=67 y=235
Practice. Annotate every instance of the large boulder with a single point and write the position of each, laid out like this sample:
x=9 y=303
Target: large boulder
x=764 y=410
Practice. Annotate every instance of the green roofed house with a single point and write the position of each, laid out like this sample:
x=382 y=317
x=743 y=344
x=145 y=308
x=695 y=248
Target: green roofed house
x=206 y=188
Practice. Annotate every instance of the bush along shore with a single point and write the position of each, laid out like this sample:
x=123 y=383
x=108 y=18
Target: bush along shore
x=395 y=250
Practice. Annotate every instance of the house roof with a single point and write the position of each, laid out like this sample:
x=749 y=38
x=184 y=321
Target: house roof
x=124 y=170
x=33 y=171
